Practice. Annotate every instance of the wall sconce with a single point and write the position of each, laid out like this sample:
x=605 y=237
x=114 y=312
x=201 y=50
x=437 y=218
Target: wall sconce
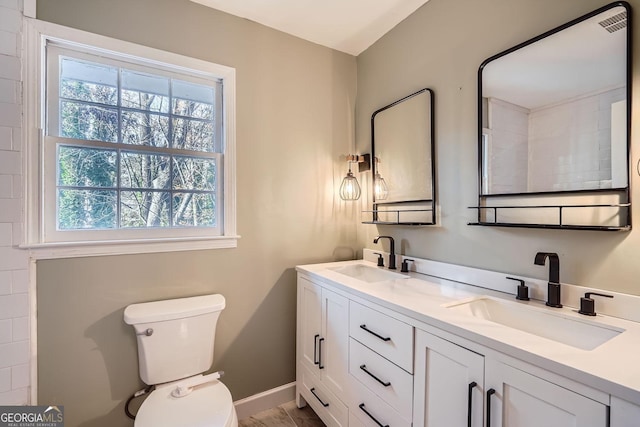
x=350 y=188
x=380 y=190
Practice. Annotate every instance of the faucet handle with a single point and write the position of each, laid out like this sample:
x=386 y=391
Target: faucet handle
x=523 y=290
x=405 y=265
x=588 y=305
x=380 y=259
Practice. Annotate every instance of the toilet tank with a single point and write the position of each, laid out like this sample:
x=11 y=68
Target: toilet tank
x=175 y=337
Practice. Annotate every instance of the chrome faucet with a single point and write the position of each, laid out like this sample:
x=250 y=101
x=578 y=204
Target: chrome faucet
x=553 y=286
x=392 y=250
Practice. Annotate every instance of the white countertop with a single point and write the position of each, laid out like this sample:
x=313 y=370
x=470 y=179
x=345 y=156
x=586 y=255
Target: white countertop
x=613 y=367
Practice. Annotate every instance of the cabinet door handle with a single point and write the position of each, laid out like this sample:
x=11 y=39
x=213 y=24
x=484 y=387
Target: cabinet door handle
x=374 y=334
x=316 y=360
x=320 y=365
x=472 y=385
x=490 y=393
x=313 y=391
x=361 y=406
x=384 y=383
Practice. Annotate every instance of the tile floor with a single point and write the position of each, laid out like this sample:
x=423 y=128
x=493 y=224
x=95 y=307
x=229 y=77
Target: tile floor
x=286 y=415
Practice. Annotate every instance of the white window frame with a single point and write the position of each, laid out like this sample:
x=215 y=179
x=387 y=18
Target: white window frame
x=37 y=226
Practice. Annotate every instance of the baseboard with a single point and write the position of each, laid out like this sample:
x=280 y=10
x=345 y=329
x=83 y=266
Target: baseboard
x=266 y=400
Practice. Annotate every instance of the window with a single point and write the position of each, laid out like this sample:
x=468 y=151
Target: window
x=133 y=148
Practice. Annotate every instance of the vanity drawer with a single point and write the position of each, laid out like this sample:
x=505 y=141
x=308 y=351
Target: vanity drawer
x=372 y=411
x=355 y=421
x=385 y=335
x=329 y=408
x=383 y=378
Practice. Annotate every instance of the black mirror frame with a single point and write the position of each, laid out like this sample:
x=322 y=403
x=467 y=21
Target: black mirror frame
x=482 y=197
x=432 y=200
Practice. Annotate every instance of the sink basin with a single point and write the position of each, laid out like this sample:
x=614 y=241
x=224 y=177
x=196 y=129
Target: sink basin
x=537 y=321
x=367 y=274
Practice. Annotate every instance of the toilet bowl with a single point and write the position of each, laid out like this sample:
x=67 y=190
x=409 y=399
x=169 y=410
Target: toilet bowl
x=175 y=346
x=208 y=406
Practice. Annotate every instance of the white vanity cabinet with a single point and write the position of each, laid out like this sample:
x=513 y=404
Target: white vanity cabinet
x=457 y=386
x=322 y=351
x=363 y=363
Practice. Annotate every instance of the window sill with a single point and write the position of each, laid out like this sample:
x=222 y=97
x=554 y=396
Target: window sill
x=40 y=251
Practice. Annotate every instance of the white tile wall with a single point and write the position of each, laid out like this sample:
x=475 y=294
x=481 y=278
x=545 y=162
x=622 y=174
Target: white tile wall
x=20 y=328
x=557 y=158
x=8 y=42
x=5 y=379
x=14 y=305
x=9 y=91
x=10 y=114
x=19 y=281
x=14 y=288
x=11 y=4
x=14 y=354
x=6 y=186
x=6 y=232
x=508 y=147
x=19 y=376
x=10 y=67
x=585 y=162
x=11 y=20
x=16 y=395
x=10 y=209
x=10 y=162
x=6 y=331
x=6 y=139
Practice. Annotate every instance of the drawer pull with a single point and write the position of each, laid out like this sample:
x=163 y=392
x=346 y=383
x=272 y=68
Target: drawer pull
x=374 y=334
x=313 y=391
x=316 y=360
x=361 y=406
x=490 y=393
x=472 y=385
x=320 y=365
x=384 y=383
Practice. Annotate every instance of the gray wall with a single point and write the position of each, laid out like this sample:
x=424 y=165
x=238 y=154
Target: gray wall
x=441 y=46
x=295 y=115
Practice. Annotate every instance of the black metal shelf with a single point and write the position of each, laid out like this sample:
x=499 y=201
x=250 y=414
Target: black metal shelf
x=556 y=226
x=396 y=223
x=553 y=226
x=376 y=212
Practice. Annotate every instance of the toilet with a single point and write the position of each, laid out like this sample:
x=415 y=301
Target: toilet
x=175 y=347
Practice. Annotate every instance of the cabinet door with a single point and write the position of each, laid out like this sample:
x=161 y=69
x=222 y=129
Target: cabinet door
x=624 y=414
x=309 y=323
x=334 y=342
x=448 y=384
x=515 y=398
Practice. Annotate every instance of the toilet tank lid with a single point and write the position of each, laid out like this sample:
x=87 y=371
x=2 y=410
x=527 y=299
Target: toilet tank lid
x=159 y=311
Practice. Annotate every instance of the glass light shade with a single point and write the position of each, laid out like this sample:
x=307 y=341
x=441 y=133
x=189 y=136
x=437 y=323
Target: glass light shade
x=380 y=190
x=349 y=189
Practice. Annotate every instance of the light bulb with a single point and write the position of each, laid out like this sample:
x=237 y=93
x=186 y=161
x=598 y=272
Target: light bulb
x=380 y=190
x=349 y=189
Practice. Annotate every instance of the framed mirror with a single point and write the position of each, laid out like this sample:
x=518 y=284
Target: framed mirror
x=554 y=125
x=402 y=148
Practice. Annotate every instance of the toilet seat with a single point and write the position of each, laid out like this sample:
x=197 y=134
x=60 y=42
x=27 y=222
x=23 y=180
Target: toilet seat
x=209 y=405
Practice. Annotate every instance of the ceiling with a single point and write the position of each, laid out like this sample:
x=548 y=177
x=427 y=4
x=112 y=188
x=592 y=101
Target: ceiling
x=349 y=26
x=583 y=59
